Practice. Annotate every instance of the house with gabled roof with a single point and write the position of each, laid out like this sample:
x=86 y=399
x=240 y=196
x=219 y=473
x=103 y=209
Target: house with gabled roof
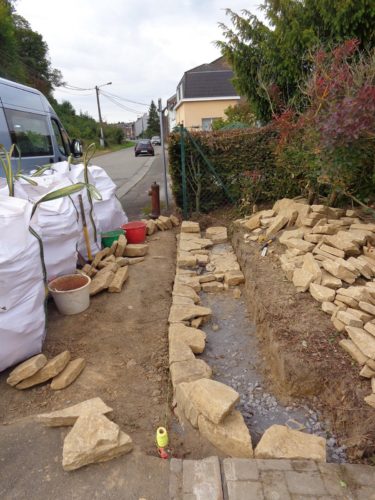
x=204 y=93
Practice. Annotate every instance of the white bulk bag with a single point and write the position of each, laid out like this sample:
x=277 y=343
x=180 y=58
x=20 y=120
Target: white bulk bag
x=76 y=175
x=108 y=210
x=57 y=220
x=22 y=287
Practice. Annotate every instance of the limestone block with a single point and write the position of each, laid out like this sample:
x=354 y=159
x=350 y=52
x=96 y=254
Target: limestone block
x=332 y=250
x=190 y=227
x=330 y=281
x=179 y=351
x=108 y=260
x=367 y=260
x=362 y=267
x=292 y=233
x=367 y=307
x=202 y=259
x=166 y=221
x=212 y=287
x=206 y=278
x=339 y=325
x=100 y=255
x=348 y=301
x=313 y=238
x=370 y=400
x=191 y=281
x=234 y=278
x=101 y=282
x=281 y=442
x=136 y=250
x=363 y=340
x=196 y=323
x=231 y=436
x=302 y=279
x=322 y=293
x=89 y=270
x=67 y=416
x=175 y=221
x=94 y=438
x=279 y=222
x=339 y=271
x=26 y=369
x=217 y=234
x=353 y=350
x=364 y=317
x=328 y=307
x=367 y=227
x=122 y=261
x=253 y=222
x=373 y=384
x=185 y=291
x=370 y=327
x=119 y=279
x=318 y=253
x=179 y=314
x=349 y=319
x=160 y=225
x=181 y=301
x=68 y=375
x=52 y=368
x=328 y=229
x=186 y=259
x=366 y=372
x=312 y=266
x=184 y=403
x=358 y=293
x=151 y=227
x=343 y=241
x=370 y=363
x=110 y=267
x=213 y=399
x=194 y=338
x=224 y=262
x=188 y=371
x=112 y=250
x=299 y=244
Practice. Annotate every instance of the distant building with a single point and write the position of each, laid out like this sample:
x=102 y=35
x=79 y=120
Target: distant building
x=171 y=110
x=140 y=125
x=204 y=93
x=128 y=129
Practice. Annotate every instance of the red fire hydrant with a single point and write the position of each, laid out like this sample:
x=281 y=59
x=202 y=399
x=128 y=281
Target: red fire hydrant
x=154 y=192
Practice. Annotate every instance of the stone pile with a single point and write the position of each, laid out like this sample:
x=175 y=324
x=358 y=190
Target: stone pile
x=330 y=254
x=163 y=223
x=93 y=437
x=208 y=405
x=38 y=369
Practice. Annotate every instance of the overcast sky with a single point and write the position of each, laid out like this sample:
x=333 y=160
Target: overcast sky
x=142 y=47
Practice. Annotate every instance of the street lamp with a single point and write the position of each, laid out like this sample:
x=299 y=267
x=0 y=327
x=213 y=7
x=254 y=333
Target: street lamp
x=100 y=114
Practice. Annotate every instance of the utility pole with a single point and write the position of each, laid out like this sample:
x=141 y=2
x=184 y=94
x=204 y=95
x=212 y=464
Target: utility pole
x=160 y=109
x=102 y=142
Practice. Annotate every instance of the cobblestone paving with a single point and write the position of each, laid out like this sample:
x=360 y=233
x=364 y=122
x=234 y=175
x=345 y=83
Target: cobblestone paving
x=248 y=479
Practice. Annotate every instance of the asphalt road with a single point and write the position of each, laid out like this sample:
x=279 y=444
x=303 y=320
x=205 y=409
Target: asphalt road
x=133 y=177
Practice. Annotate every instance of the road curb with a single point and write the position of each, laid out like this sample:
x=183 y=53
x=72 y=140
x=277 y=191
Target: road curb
x=127 y=186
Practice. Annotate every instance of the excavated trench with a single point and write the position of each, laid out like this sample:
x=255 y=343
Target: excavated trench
x=233 y=352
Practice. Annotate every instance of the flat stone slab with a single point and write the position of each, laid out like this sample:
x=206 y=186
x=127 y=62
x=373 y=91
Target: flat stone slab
x=190 y=227
x=94 y=438
x=179 y=314
x=136 y=250
x=188 y=371
x=68 y=375
x=52 y=368
x=67 y=416
x=201 y=479
x=26 y=369
x=281 y=442
x=179 y=351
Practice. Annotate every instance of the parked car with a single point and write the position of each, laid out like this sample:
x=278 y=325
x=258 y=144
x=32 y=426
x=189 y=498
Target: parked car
x=28 y=120
x=144 y=147
x=156 y=140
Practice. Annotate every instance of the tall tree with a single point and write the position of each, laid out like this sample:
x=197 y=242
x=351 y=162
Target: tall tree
x=10 y=64
x=153 y=123
x=271 y=61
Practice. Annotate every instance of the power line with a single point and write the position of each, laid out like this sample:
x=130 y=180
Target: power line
x=120 y=105
x=127 y=100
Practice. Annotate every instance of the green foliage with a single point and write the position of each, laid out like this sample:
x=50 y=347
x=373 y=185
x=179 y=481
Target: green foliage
x=242 y=113
x=271 y=62
x=153 y=123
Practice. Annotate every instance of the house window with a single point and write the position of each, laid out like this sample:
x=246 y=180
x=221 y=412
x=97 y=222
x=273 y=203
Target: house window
x=207 y=123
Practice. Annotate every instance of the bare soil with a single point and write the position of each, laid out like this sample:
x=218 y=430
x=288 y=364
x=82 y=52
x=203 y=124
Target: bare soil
x=301 y=347
x=124 y=340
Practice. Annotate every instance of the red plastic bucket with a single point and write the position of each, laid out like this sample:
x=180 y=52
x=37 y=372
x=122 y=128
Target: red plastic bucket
x=135 y=231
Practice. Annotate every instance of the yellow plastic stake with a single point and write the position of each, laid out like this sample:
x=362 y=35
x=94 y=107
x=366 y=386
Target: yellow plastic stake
x=162 y=439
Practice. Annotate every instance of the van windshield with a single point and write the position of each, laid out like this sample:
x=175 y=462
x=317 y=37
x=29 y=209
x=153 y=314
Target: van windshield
x=30 y=132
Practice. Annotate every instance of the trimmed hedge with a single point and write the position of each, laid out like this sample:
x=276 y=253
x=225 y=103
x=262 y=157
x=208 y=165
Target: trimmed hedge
x=243 y=159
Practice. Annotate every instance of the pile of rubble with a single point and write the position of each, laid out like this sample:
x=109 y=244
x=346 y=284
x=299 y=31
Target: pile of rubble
x=161 y=224
x=330 y=254
x=38 y=369
x=93 y=437
x=209 y=264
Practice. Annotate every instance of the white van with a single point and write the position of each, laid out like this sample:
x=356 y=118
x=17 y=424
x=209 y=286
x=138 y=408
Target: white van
x=28 y=120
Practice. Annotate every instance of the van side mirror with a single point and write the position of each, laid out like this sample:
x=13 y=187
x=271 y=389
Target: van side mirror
x=76 y=148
